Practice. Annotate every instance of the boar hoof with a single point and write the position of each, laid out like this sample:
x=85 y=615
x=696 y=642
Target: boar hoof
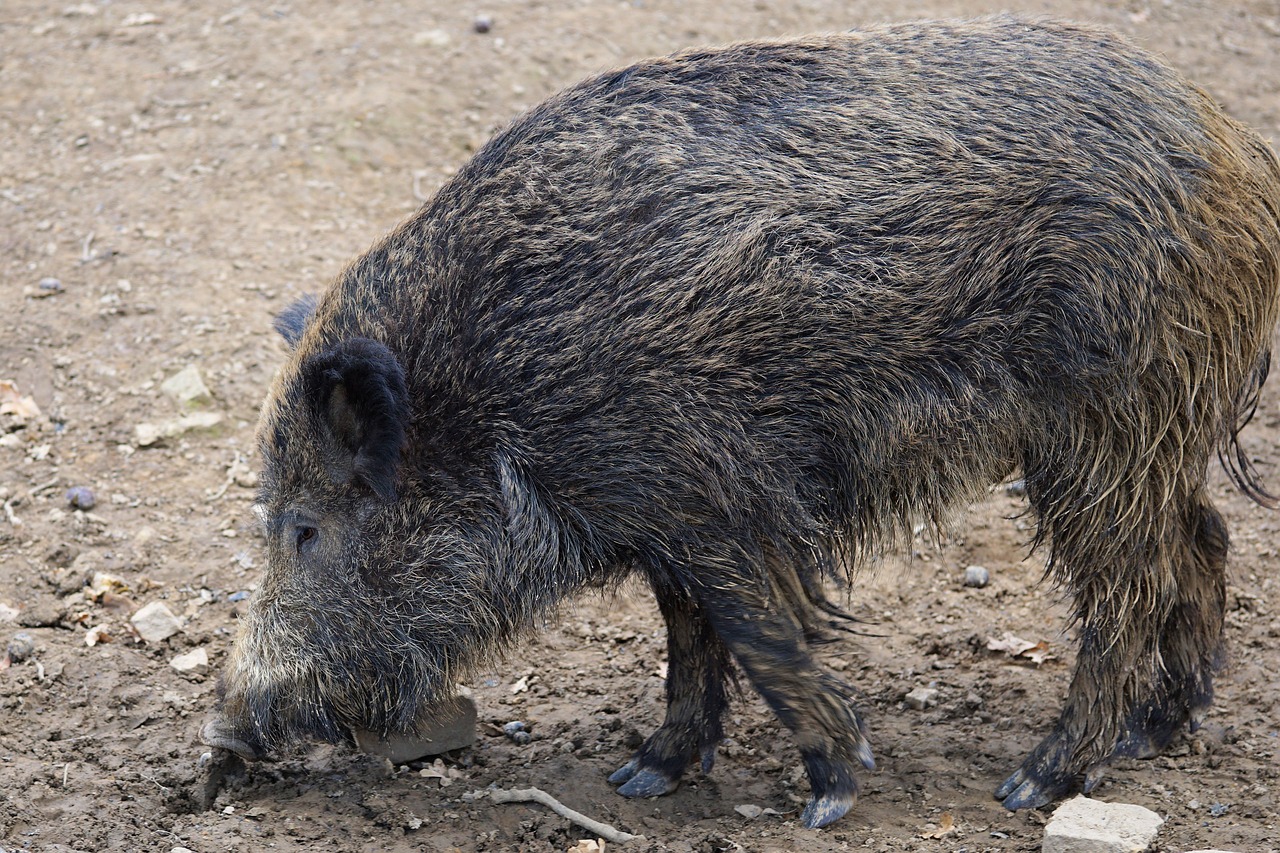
x=638 y=782
x=216 y=733
x=827 y=809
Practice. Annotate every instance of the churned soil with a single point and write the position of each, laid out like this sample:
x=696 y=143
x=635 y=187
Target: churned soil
x=172 y=174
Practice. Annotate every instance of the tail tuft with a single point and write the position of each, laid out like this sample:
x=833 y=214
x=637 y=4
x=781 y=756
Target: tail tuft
x=1232 y=456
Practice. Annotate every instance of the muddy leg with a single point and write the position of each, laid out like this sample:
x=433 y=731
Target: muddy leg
x=767 y=637
x=1190 y=641
x=1151 y=630
x=697 y=669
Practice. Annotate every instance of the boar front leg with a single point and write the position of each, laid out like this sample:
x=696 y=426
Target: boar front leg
x=697 y=670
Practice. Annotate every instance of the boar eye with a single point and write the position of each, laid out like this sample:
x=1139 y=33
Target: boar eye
x=305 y=534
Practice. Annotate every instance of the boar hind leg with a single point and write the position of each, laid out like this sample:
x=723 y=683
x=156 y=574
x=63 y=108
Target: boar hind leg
x=1190 y=641
x=1150 y=630
x=697 y=670
x=767 y=635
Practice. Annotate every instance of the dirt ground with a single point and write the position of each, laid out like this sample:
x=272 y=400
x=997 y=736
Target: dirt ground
x=185 y=170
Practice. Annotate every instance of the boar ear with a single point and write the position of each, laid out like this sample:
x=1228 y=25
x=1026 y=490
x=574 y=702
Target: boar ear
x=358 y=390
x=291 y=321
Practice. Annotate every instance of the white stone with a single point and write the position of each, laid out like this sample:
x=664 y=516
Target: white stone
x=1082 y=825
x=155 y=622
x=196 y=660
x=147 y=434
x=432 y=38
x=921 y=698
x=187 y=387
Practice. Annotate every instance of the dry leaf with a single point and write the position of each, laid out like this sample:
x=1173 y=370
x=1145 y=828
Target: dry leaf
x=1009 y=643
x=1037 y=653
x=103 y=584
x=946 y=826
x=13 y=403
x=97 y=634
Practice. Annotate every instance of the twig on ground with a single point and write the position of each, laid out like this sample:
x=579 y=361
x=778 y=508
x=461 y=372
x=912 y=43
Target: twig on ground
x=536 y=795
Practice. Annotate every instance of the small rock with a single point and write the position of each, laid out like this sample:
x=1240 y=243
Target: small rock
x=1219 y=809
x=449 y=725
x=432 y=38
x=44 y=613
x=1082 y=825
x=21 y=647
x=521 y=738
x=81 y=497
x=976 y=576
x=187 y=387
x=147 y=434
x=921 y=698
x=155 y=622
x=8 y=613
x=47 y=287
x=512 y=727
x=482 y=24
x=196 y=660
x=140 y=19
x=749 y=811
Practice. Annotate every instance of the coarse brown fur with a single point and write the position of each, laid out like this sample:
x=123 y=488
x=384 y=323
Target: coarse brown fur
x=735 y=319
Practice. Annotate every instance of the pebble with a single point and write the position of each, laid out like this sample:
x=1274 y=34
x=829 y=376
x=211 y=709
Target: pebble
x=187 y=387
x=482 y=24
x=749 y=811
x=1082 y=825
x=147 y=434
x=81 y=497
x=977 y=576
x=21 y=647
x=450 y=725
x=48 y=287
x=432 y=38
x=517 y=732
x=155 y=622
x=921 y=698
x=196 y=660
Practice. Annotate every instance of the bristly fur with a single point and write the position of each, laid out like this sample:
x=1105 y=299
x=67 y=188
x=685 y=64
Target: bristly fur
x=734 y=320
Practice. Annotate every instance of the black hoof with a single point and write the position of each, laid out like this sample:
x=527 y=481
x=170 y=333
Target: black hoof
x=636 y=781
x=625 y=772
x=1019 y=792
x=827 y=809
x=1046 y=775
